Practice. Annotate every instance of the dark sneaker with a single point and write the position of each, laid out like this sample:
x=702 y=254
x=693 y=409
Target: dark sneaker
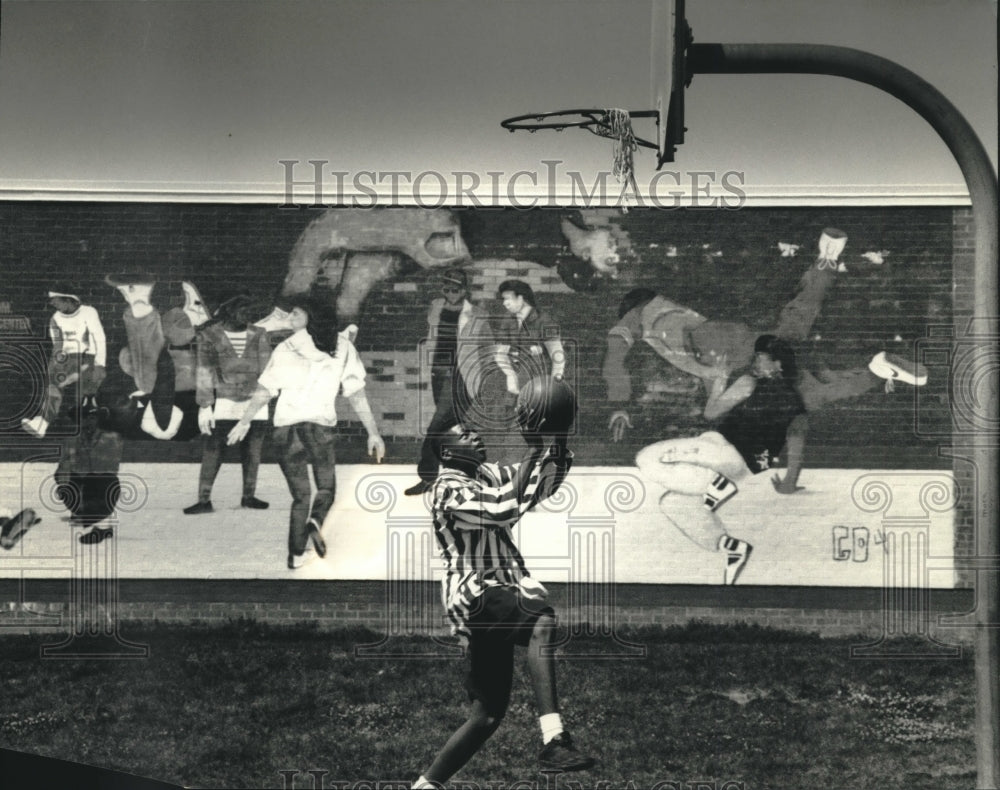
x=96 y=535
x=198 y=508
x=317 y=538
x=561 y=754
x=419 y=489
x=253 y=503
x=15 y=527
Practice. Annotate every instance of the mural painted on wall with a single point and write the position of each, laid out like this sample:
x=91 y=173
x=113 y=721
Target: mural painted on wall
x=736 y=371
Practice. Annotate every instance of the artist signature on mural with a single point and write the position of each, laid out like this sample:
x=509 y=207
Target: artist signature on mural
x=852 y=543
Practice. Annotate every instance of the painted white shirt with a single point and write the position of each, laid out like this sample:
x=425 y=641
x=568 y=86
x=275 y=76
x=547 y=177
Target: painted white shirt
x=307 y=380
x=80 y=332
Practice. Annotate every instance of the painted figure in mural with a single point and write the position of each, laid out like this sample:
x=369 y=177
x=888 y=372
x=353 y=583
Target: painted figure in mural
x=231 y=354
x=344 y=253
x=159 y=358
x=584 y=247
x=79 y=355
x=457 y=332
x=491 y=600
x=761 y=415
x=528 y=342
x=598 y=246
x=306 y=372
x=87 y=475
x=696 y=345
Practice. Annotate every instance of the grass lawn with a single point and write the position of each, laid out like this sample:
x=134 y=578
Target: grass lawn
x=736 y=707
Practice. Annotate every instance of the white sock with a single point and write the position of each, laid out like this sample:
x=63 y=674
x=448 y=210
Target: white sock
x=552 y=726
x=423 y=783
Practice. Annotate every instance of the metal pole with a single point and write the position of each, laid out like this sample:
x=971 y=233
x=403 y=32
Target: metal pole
x=981 y=179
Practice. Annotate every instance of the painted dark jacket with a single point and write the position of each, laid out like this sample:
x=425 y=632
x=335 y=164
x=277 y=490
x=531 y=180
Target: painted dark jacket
x=530 y=347
x=758 y=426
x=472 y=343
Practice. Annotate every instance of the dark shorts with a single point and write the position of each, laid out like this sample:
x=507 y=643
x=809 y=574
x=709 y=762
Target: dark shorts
x=503 y=620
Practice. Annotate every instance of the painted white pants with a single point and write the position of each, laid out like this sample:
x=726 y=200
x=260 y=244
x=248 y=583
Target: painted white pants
x=685 y=468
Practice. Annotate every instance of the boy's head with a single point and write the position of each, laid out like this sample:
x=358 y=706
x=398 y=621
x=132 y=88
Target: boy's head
x=773 y=357
x=64 y=299
x=318 y=318
x=514 y=295
x=454 y=286
x=462 y=449
x=235 y=311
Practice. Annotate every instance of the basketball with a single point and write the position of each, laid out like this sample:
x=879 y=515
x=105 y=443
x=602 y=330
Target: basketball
x=546 y=405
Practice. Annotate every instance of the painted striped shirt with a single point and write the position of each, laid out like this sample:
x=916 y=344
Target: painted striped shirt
x=473 y=522
x=238 y=340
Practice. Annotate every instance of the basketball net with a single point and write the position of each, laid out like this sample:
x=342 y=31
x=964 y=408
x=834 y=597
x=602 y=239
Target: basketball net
x=617 y=124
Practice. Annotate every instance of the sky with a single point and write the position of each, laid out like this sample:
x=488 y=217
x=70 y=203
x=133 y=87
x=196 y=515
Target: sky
x=207 y=98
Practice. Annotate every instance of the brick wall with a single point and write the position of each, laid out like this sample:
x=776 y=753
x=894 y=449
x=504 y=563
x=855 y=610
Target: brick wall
x=966 y=484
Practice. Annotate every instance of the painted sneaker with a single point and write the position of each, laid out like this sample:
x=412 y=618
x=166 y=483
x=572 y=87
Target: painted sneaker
x=737 y=555
x=893 y=367
x=14 y=528
x=419 y=488
x=96 y=535
x=316 y=536
x=275 y=321
x=296 y=561
x=720 y=491
x=36 y=426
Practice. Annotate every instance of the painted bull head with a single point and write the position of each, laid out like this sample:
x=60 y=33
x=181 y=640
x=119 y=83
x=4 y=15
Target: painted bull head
x=346 y=252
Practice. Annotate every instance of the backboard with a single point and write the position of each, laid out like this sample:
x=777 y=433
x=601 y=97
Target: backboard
x=670 y=39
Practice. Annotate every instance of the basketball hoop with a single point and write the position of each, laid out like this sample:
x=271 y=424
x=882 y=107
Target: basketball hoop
x=597 y=122
x=615 y=124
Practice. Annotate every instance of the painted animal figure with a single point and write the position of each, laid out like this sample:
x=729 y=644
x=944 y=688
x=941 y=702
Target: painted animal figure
x=347 y=252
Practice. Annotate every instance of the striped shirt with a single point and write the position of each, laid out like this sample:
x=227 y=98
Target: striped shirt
x=473 y=519
x=238 y=340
